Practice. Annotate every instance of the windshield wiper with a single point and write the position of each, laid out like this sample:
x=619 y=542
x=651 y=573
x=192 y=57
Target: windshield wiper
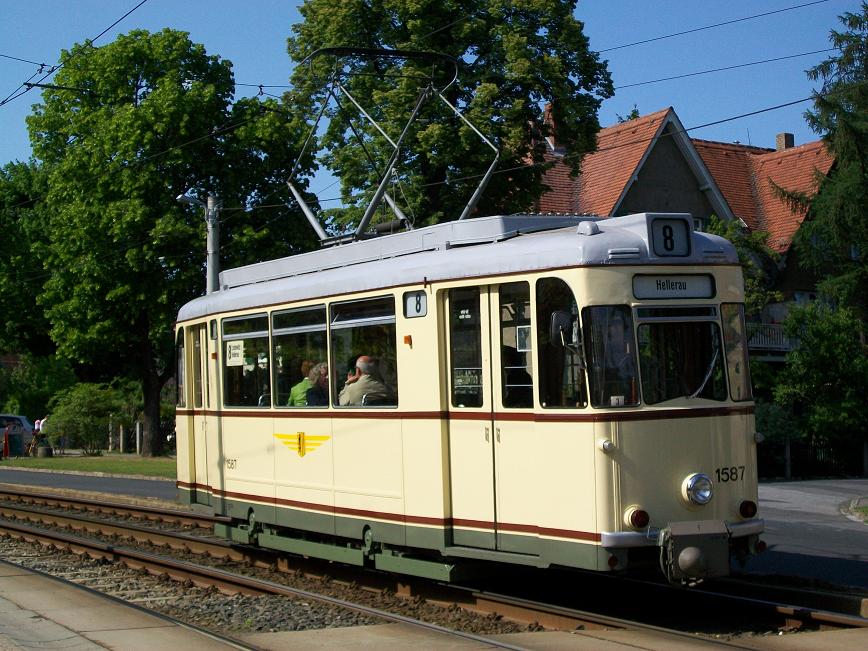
x=708 y=374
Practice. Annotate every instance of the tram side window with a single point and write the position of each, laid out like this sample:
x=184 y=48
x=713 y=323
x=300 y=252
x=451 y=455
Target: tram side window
x=561 y=379
x=364 y=357
x=611 y=352
x=516 y=359
x=465 y=347
x=180 y=382
x=245 y=362
x=197 y=366
x=300 y=356
x=735 y=341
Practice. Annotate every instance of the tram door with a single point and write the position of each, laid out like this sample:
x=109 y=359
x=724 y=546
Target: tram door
x=489 y=339
x=200 y=381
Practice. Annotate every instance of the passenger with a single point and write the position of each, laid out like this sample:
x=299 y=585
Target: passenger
x=318 y=394
x=298 y=393
x=364 y=384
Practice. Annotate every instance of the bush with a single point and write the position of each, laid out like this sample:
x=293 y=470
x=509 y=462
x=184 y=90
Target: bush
x=776 y=423
x=81 y=414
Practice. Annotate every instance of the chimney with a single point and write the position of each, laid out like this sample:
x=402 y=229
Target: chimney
x=784 y=141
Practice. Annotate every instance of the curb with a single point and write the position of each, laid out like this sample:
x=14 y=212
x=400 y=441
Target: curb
x=87 y=474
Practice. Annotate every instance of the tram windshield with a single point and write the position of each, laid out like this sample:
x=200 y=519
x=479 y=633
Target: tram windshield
x=680 y=358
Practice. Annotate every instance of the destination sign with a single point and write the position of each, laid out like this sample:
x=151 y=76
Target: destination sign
x=698 y=286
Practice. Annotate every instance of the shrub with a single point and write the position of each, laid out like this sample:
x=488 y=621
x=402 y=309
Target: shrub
x=81 y=414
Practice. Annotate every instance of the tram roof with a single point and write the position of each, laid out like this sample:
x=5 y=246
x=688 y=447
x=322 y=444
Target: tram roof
x=483 y=246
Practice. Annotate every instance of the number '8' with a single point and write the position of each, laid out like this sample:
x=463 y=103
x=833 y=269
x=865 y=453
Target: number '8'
x=668 y=238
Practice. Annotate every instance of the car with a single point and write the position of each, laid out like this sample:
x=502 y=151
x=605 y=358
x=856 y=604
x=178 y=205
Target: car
x=20 y=424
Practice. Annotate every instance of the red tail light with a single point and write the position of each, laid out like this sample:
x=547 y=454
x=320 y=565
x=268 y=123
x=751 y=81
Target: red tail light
x=747 y=509
x=639 y=519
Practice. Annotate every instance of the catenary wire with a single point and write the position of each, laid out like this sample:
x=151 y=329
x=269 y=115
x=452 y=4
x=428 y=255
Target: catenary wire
x=721 y=24
x=23 y=88
x=711 y=70
x=41 y=276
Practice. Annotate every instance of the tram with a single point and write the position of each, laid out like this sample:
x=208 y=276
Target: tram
x=565 y=391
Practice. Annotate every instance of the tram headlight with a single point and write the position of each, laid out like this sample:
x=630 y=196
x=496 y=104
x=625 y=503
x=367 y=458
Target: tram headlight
x=697 y=488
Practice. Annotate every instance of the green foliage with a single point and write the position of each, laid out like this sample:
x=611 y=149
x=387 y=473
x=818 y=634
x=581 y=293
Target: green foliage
x=130 y=126
x=27 y=388
x=632 y=115
x=764 y=377
x=24 y=326
x=82 y=413
x=826 y=376
x=776 y=422
x=513 y=57
x=758 y=262
x=834 y=239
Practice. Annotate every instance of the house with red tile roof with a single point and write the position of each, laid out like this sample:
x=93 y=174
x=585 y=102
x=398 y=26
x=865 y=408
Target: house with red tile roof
x=642 y=165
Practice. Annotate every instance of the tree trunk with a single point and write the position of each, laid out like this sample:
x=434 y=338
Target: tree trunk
x=152 y=444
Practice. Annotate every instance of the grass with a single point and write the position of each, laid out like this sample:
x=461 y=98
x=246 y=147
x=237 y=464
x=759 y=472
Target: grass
x=116 y=464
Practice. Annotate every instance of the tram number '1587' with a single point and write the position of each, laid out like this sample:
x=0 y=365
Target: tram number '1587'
x=732 y=473
x=231 y=464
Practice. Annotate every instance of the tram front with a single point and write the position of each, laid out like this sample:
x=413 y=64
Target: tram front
x=668 y=375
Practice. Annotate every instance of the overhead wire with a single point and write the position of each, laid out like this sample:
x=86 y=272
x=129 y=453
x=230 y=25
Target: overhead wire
x=706 y=27
x=230 y=127
x=712 y=70
x=37 y=277
x=18 y=92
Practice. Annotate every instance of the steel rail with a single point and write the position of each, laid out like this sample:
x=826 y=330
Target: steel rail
x=518 y=609
x=119 y=508
x=175 y=540
x=227 y=582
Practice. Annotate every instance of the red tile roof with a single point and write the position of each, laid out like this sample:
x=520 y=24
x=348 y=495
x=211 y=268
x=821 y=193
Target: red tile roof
x=746 y=176
x=730 y=165
x=606 y=172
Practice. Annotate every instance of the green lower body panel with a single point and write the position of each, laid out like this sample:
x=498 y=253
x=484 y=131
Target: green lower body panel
x=348 y=555
x=438 y=571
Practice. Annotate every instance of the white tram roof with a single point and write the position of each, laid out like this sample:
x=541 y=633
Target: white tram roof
x=483 y=246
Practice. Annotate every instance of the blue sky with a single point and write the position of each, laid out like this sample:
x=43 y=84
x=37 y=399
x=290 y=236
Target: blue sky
x=252 y=34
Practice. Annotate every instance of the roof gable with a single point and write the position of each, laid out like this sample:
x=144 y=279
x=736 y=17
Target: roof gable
x=608 y=173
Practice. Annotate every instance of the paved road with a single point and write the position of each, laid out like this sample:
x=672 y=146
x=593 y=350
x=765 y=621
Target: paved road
x=806 y=532
x=163 y=489
x=808 y=535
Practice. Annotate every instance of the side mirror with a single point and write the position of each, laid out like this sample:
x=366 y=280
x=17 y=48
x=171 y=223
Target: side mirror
x=561 y=328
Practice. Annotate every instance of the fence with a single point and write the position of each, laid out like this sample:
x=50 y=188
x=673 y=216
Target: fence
x=768 y=336
x=805 y=459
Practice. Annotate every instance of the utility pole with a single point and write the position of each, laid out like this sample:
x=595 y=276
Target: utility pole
x=212 y=268
x=212 y=261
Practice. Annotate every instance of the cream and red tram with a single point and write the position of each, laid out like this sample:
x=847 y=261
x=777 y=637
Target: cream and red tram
x=563 y=391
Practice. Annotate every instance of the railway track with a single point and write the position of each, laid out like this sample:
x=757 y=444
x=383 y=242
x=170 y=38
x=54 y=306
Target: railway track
x=97 y=518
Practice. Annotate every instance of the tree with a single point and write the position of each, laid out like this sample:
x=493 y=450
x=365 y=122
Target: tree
x=81 y=414
x=826 y=375
x=23 y=327
x=123 y=130
x=513 y=57
x=834 y=237
x=758 y=262
x=28 y=387
x=632 y=115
